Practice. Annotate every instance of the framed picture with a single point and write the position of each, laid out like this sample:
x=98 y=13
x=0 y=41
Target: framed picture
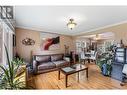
x=50 y=41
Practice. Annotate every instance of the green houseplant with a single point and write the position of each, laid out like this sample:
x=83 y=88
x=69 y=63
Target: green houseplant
x=106 y=58
x=8 y=75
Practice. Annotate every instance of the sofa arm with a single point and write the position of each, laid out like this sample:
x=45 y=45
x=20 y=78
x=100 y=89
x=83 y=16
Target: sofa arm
x=67 y=59
x=34 y=66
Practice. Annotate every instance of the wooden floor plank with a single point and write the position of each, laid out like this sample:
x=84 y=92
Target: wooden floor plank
x=95 y=81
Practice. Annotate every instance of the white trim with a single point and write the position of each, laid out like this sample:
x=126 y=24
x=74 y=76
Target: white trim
x=40 y=30
x=75 y=34
x=100 y=28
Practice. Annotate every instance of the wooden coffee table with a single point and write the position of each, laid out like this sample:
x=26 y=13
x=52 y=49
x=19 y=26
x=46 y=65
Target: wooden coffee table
x=72 y=70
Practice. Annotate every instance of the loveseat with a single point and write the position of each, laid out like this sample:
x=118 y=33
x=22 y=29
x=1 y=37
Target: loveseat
x=46 y=63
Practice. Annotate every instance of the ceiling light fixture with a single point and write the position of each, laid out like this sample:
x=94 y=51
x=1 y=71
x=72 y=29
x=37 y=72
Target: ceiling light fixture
x=97 y=37
x=71 y=24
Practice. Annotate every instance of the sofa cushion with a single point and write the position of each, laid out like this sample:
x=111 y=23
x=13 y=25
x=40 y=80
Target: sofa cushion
x=42 y=59
x=60 y=63
x=47 y=65
x=56 y=57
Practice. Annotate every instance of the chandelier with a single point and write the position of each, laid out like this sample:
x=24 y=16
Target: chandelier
x=71 y=24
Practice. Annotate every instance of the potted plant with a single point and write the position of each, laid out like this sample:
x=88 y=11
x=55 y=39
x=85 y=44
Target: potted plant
x=8 y=75
x=105 y=60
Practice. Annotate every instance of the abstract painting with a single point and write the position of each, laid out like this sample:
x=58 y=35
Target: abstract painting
x=50 y=41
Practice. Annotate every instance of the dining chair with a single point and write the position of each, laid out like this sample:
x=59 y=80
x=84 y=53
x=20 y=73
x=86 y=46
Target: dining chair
x=93 y=56
x=83 y=57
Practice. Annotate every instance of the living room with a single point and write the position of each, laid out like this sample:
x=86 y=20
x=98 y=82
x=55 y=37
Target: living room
x=66 y=47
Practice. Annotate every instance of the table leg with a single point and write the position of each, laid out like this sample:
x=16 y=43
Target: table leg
x=66 y=80
x=78 y=76
x=87 y=72
x=88 y=60
x=58 y=74
x=84 y=61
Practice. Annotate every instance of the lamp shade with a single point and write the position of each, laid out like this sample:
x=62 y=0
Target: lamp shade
x=71 y=24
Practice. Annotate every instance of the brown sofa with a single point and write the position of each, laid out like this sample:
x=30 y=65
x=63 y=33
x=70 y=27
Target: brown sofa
x=46 y=63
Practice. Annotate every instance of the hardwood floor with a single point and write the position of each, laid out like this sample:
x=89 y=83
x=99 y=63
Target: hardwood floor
x=95 y=80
